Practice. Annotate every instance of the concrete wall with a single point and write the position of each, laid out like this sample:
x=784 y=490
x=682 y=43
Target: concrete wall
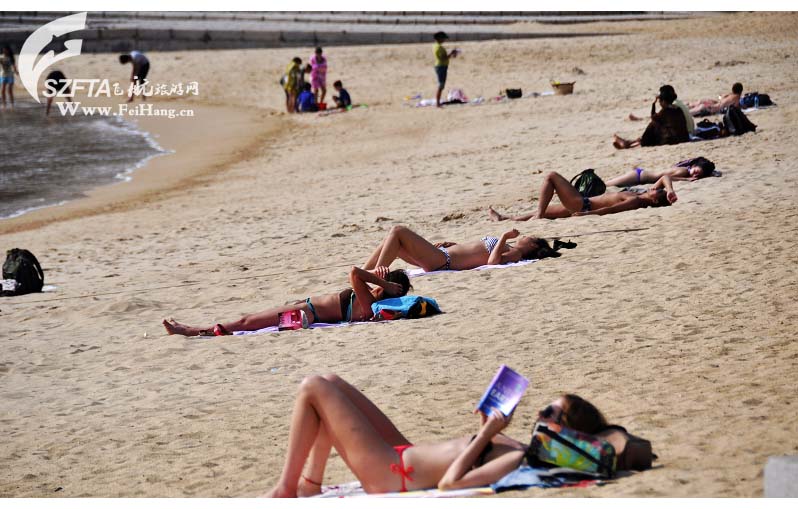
x=117 y=40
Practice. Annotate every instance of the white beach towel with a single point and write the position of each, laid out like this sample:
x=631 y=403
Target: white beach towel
x=317 y=325
x=421 y=272
x=353 y=489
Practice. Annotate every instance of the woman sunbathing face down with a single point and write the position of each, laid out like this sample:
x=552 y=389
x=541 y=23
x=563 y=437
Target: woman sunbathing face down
x=331 y=413
x=661 y=194
x=403 y=243
x=688 y=170
x=349 y=305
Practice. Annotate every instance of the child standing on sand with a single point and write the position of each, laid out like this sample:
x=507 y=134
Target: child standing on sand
x=290 y=81
x=318 y=75
x=8 y=68
x=441 y=63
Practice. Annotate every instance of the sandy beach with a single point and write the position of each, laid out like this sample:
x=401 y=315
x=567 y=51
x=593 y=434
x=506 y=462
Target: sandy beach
x=678 y=322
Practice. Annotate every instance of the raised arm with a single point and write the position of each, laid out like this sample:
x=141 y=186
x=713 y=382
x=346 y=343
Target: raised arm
x=666 y=182
x=461 y=475
x=359 y=278
x=496 y=256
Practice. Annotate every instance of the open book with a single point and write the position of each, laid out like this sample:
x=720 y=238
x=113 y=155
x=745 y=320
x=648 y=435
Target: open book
x=504 y=392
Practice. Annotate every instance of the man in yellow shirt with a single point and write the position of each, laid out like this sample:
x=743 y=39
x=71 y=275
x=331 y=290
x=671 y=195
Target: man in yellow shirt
x=441 y=62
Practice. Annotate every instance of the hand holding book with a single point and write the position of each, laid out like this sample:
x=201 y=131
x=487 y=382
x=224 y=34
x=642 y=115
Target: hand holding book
x=503 y=393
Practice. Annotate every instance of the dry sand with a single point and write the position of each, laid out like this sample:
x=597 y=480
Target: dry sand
x=681 y=328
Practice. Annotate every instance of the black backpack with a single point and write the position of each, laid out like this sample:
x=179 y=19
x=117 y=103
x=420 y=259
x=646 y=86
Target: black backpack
x=24 y=268
x=753 y=99
x=736 y=123
x=588 y=184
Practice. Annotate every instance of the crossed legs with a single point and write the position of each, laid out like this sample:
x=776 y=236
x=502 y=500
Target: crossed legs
x=401 y=242
x=329 y=412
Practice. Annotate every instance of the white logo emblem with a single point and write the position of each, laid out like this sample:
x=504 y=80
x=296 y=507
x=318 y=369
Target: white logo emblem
x=29 y=69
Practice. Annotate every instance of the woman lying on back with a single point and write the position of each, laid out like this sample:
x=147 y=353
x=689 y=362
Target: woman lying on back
x=330 y=412
x=348 y=305
x=411 y=247
x=689 y=169
x=661 y=194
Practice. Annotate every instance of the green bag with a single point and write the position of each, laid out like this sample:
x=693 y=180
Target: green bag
x=557 y=445
x=588 y=183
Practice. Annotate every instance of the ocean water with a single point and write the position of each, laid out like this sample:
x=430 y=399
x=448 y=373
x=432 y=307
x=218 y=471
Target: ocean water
x=46 y=161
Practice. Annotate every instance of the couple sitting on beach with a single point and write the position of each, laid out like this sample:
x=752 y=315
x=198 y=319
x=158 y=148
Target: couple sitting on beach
x=354 y=304
x=329 y=412
x=572 y=203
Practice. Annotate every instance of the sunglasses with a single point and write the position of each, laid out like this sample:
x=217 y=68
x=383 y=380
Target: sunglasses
x=549 y=411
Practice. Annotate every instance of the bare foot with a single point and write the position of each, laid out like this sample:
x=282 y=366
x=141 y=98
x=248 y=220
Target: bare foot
x=634 y=117
x=173 y=327
x=495 y=215
x=619 y=142
x=307 y=489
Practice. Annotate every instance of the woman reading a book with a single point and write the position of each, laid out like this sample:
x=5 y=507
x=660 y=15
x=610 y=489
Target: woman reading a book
x=329 y=412
x=348 y=305
x=411 y=247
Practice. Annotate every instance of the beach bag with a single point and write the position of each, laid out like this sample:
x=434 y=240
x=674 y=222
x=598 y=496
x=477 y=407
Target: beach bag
x=22 y=267
x=513 y=93
x=707 y=130
x=632 y=452
x=588 y=183
x=755 y=100
x=409 y=306
x=736 y=123
x=563 y=447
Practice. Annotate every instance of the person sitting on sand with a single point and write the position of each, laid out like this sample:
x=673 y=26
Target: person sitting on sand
x=689 y=169
x=713 y=106
x=342 y=100
x=688 y=118
x=306 y=102
x=667 y=127
x=661 y=194
x=348 y=305
x=411 y=247
x=329 y=412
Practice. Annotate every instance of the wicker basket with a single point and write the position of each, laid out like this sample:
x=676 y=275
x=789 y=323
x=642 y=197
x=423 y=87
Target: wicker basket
x=563 y=88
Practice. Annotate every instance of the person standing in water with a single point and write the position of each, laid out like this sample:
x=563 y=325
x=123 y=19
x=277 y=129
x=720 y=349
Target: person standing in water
x=141 y=67
x=8 y=67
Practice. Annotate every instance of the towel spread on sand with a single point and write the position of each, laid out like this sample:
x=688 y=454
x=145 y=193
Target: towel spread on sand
x=521 y=478
x=353 y=489
x=421 y=272
x=317 y=325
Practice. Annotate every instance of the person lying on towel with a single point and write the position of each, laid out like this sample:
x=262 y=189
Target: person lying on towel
x=331 y=413
x=349 y=305
x=411 y=247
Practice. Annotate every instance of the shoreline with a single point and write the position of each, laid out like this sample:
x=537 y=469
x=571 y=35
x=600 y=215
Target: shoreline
x=192 y=152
